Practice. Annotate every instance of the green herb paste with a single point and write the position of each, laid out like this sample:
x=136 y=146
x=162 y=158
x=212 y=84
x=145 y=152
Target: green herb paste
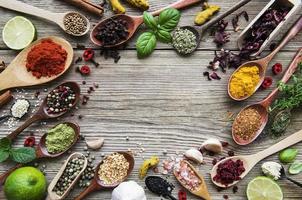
x=59 y=138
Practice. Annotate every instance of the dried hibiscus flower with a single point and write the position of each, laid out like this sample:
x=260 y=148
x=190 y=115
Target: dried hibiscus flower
x=235 y=20
x=220 y=36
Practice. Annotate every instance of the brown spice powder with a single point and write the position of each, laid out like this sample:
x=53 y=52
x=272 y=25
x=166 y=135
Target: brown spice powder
x=247 y=123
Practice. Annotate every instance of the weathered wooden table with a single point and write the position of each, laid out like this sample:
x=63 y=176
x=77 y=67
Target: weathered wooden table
x=161 y=103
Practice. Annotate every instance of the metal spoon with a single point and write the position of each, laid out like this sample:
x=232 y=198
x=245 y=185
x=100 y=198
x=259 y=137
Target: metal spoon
x=249 y=161
x=97 y=184
x=42 y=113
x=283 y=175
x=11 y=115
x=262 y=63
x=160 y=186
x=133 y=22
x=263 y=106
x=199 y=31
x=41 y=150
x=57 y=18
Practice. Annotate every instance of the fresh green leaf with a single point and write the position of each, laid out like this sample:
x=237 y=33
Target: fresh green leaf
x=150 y=21
x=163 y=35
x=4 y=154
x=5 y=143
x=23 y=155
x=168 y=19
x=295 y=167
x=145 y=44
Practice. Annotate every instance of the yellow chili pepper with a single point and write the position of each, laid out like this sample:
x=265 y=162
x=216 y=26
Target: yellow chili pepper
x=147 y=164
x=117 y=7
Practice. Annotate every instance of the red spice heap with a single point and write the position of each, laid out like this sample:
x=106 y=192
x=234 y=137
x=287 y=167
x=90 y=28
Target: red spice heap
x=229 y=171
x=46 y=59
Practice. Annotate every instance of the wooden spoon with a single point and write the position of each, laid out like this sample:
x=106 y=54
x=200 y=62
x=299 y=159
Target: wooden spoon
x=53 y=195
x=16 y=74
x=57 y=18
x=249 y=161
x=199 y=31
x=42 y=113
x=202 y=190
x=41 y=150
x=134 y=22
x=97 y=184
x=263 y=106
x=262 y=63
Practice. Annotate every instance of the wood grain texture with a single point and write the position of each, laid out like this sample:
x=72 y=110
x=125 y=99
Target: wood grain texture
x=162 y=102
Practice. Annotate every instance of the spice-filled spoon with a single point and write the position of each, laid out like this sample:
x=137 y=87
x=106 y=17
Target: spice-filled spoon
x=284 y=176
x=132 y=23
x=16 y=74
x=262 y=63
x=249 y=161
x=72 y=23
x=261 y=108
x=160 y=186
x=53 y=106
x=199 y=31
x=98 y=184
x=42 y=152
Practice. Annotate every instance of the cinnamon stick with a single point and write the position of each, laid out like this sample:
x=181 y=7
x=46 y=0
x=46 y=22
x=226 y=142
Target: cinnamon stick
x=88 y=6
x=5 y=97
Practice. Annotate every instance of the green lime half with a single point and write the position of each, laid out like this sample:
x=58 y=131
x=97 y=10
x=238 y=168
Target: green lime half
x=18 y=33
x=263 y=188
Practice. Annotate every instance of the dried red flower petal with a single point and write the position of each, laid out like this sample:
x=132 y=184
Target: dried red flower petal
x=88 y=54
x=85 y=70
x=215 y=76
x=30 y=141
x=267 y=82
x=182 y=195
x=277 y=68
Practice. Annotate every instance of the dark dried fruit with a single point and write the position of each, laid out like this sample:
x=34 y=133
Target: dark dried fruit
x=267 y=82
x=30 y=141
x=277 y=68
x=85 y=70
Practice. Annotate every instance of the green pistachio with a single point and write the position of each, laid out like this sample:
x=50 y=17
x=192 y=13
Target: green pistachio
x=288 y=155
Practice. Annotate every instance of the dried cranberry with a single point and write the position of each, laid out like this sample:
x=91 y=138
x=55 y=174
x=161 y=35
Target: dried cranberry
x=88 y=54
x=30 y=141
x=267 y=82
x=225 y=196
x=231 y=153
x=85 y=70
x=214 y=161
x=235 y=189
x=277 y=68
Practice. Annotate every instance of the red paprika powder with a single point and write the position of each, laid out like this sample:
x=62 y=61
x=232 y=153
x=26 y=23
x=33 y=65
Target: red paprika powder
x=46 y=59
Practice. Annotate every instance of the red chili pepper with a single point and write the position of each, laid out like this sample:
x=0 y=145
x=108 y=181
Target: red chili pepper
x=277 y=68
x=88 y=54
x=268 y=81
x=85 y=70
x=182 y=195
x=30 y=141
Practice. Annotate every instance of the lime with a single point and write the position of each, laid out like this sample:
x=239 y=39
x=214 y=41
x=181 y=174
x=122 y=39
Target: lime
x=263 y=188
x=26 y=183
x=18 y=33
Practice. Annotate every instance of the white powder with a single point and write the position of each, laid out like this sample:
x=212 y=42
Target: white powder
x=20 y=108
x=128 y=191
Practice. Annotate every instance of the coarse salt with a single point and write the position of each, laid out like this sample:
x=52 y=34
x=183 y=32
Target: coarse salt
x=20 y=108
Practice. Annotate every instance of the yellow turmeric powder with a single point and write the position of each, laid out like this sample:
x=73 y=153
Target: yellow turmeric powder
x=244 y=81
x=206 y=14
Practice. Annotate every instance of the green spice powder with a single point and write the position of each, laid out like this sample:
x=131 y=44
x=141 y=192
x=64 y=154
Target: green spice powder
x=184 y=41
x=59 y=138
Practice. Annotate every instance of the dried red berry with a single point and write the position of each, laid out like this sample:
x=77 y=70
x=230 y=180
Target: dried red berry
x=30 y=141
x=267 y=82
x=88 y=54
x=277 y=68
x=85 y=70
x=182 y=195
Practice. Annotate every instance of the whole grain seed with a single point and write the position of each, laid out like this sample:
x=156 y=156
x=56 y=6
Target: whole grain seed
x=75 y=24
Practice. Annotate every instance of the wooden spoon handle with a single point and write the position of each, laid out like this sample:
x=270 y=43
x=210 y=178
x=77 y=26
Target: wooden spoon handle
x=289 y=72
x=27 y=9
x=8 y=172
x=28 y=122
x=287 y=142
x=177 y=5
x=93 y=187
x=5 y=98
x=295 y=29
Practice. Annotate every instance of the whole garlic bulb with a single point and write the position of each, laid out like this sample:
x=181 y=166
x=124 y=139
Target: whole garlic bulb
x=129 y=190
x=213 y=145
x=194 y=155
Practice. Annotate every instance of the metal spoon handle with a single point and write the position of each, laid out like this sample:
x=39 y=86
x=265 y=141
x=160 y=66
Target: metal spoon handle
x=295 y=182
x=223 y=15
x=170 y=196
x=4 y=117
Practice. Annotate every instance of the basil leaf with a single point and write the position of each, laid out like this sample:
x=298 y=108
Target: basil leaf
x=23 y=155
x=163 y=35
x=295 y=167
x=145 y=44
x=5 y=144
x=168 y=19
x=150 y=21
x=3 y=155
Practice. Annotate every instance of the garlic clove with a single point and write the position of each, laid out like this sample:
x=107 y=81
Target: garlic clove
x=95 y=144
x=213 y=145
x=194 y=155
